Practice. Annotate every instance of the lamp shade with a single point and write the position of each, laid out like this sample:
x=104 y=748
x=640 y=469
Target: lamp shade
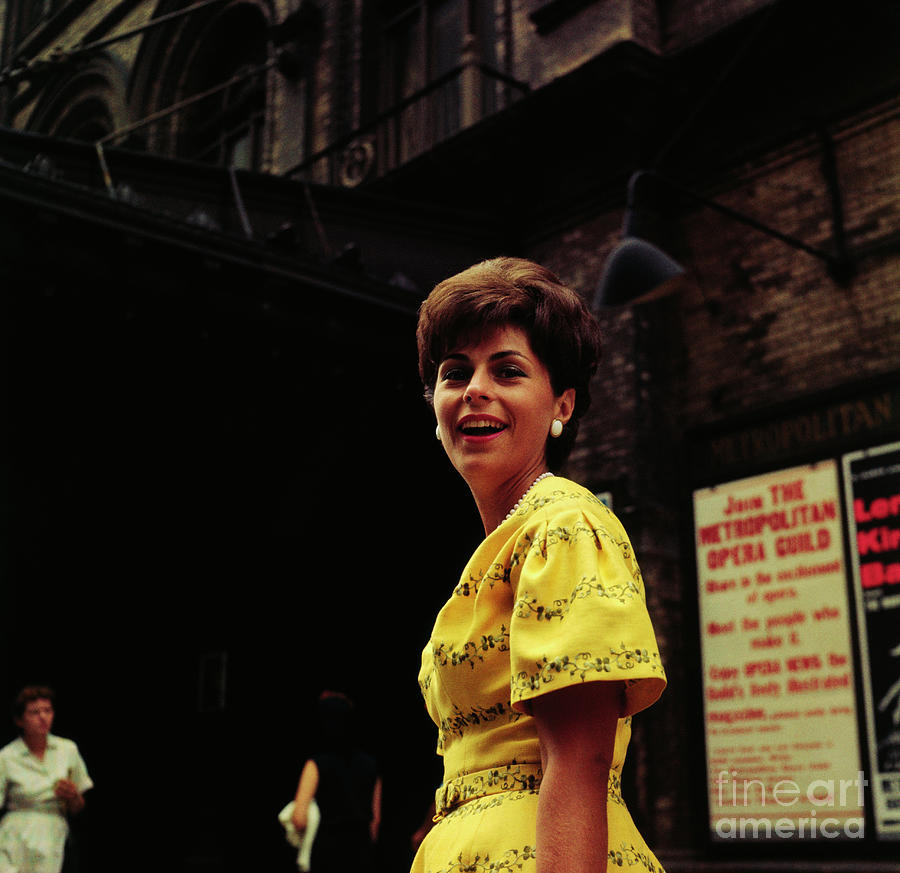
x=636 y=271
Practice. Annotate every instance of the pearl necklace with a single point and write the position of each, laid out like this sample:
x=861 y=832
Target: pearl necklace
x=512 y=511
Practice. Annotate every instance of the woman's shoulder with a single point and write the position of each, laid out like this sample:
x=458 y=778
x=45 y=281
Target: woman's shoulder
x=558 y=500
x=12 y=748
x=64 y=749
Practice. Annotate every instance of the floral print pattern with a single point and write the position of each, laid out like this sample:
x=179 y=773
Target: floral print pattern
x=532 y=607
x=581 y=665
x=627 y=856
x=457 y=722
x=471 y=649
x=512 y=859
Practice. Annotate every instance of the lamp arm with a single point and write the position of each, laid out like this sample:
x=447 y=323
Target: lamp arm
x=737 y=216
x=837 y=265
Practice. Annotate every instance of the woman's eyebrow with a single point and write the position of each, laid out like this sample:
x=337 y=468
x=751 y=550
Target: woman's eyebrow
x=506 y=353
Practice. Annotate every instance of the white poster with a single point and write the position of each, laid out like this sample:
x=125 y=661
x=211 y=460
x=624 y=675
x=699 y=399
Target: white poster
x=782 y=742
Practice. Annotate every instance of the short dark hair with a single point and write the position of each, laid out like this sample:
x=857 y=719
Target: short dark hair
x=29 y=694
x=336 y=722
x=515 y=291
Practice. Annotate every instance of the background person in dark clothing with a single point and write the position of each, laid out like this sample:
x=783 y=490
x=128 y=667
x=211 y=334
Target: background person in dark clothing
x=344 y=781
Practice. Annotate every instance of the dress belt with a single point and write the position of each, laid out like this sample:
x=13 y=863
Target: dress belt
x=509 y=777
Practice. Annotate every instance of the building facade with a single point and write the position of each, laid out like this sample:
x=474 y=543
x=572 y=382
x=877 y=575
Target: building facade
x=412 y=137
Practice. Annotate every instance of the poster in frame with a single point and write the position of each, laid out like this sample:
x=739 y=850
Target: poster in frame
x=872 y=498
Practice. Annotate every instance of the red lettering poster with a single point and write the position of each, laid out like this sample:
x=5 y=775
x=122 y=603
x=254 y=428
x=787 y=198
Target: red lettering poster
x=872 y=489
x=782 y=743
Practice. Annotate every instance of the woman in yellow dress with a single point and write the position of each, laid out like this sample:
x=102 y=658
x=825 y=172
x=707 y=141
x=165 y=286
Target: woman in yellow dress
x=545 y=649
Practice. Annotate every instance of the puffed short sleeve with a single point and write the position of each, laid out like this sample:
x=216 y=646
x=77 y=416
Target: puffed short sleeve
x=580 y=614
x=78 y=771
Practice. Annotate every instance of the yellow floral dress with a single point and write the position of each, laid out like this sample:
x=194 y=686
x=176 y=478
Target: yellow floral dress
x=551 y=598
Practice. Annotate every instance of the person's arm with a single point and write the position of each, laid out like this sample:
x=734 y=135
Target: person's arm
x=375 y=824
x=68 y=792
x=306 y=791
x=2 y=786
x=424 y=828
x=71 y=790
x=577 y=731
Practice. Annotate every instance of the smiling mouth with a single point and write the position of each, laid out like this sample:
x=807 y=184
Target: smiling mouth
x=482 y=428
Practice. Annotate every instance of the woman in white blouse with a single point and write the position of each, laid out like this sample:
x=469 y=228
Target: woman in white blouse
x=42 y=781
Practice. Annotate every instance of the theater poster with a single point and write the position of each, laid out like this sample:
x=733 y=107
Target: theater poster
x=872 y=486
x=782 y=742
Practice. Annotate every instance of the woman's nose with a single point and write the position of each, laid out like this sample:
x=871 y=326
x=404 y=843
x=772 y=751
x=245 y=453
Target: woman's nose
x=478 y=387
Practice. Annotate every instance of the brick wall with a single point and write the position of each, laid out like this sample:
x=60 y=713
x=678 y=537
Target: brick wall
x=763 y=322
x=759 y=322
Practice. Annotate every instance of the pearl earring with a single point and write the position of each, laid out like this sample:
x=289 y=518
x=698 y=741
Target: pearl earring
x=556 y=428
x=437 y=433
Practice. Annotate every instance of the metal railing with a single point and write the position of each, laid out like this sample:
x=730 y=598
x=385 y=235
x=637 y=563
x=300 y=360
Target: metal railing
x=460 y=97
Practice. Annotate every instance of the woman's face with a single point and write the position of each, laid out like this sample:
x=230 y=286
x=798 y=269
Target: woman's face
x=37 y=719
x=494 y=405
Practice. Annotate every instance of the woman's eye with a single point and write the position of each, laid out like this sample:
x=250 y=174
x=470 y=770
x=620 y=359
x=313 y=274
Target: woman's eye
x=509 y=371
x=453 y=374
